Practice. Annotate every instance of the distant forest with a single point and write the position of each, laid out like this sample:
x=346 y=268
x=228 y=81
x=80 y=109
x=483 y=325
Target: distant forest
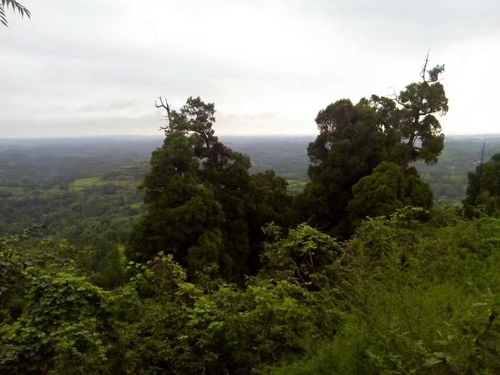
x=56 y=181
x=69 y=184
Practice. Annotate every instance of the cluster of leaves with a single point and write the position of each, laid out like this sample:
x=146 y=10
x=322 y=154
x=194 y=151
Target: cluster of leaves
x=425 y=299
x=54 y=320
x=386 y=190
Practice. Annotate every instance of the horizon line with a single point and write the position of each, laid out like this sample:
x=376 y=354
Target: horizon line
x=220 y=135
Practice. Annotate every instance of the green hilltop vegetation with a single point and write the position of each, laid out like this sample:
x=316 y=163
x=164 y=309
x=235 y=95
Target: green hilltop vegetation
x=373 y=248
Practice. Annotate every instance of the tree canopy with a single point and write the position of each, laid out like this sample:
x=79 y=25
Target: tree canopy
x=203 y=206
x=354 y=139
x=386 y=190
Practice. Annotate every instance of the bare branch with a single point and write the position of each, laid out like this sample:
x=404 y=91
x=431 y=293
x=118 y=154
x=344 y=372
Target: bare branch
x=396 y=99
x=394 y=94
x=165 y=106
x=424 y=68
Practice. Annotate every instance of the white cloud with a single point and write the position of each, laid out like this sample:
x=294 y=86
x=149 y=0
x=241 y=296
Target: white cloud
x=85 y=67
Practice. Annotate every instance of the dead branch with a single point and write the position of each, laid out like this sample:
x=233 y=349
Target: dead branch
x=424 y=68
x=165 y=106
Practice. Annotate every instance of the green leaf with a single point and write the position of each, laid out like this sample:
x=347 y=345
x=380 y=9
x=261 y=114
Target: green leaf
x=433 y=361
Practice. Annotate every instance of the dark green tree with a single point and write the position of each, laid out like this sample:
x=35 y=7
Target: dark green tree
x=350 y=145
x=354 y=139
x=409 y=118
x=203 y=205
x=226 y=174
x=182 y=212
x=386 y=190
x=483 y=189
x=270 y=203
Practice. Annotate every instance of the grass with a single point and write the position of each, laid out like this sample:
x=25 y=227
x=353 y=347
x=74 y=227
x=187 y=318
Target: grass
x=83 y=183
x=136 y=206
x=11 y=190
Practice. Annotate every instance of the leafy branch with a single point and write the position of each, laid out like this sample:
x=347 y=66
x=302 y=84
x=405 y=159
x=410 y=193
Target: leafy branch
x=21 y=9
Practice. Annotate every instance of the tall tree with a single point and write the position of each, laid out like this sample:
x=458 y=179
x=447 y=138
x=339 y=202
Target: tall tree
x=410 y=117
x=182 y=213
x=21 y=9
x=483 y=189
x=204 y=207
x=226 y=174
x=269 y=203
x=354 y=139
x=350 y=145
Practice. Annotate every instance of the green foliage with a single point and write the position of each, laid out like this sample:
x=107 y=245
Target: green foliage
x=409 y=293
x=354 y=139
x=61 y=323
x=348 y=147
x=424 y=300
x=181 y=211
x=61 y=329
x=386 y=190
x=203 y=205
x=414 y=123
x=13 y=278
x=103 y=262
x=173 y=325
x=483 y=190
x=306 y=256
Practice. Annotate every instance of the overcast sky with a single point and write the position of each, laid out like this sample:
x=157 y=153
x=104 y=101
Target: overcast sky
x=95 y=67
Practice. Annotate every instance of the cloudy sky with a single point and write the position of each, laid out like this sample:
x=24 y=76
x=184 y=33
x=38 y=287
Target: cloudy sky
x=95 y=67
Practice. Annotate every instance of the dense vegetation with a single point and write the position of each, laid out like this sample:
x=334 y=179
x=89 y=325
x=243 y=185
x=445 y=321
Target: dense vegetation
x=223 y=269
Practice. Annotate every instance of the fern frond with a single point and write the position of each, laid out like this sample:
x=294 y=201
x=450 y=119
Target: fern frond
x=21 y=9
